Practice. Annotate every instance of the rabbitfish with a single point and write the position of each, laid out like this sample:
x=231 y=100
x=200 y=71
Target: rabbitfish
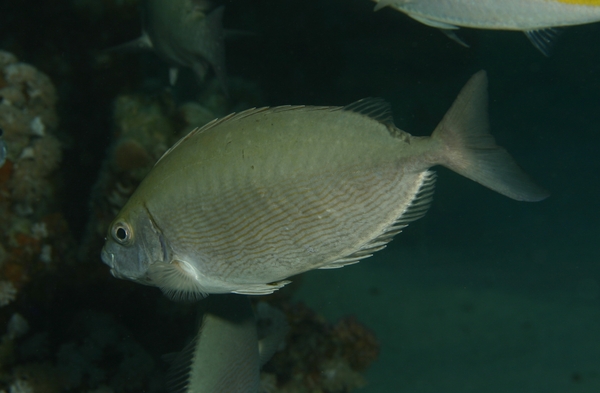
x=251 y=199
x=227 y=353
x=535 y=18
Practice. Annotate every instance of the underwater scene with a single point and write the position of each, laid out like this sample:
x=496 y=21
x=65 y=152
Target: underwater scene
x=299 y=196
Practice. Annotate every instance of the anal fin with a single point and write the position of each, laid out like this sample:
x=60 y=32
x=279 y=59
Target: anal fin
x=433 y=23
x=261 y=289
x=454 y=37
x=448 y=29
x=415 y=210
x=543 y=39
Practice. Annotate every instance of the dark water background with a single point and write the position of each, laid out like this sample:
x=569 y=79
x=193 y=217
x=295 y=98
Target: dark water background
x=502 y=295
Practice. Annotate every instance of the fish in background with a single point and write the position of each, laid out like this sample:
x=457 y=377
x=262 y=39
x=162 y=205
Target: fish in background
x=231 y=346
x=536 y=18
x=251 y=199
x=184 y=35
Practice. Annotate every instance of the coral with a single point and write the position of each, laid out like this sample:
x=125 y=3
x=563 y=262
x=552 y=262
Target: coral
x=355 y=343
x=339 y=376
x=28 y=118
x=103 y=351
x=8 y=293
x=320 y=357
x=39 y=377
x=27 y=104
x=32 y=232
x=17 y=326
x=21 y=386
x=37 y=161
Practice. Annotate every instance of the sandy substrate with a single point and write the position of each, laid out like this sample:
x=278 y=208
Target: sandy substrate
x=438 y=335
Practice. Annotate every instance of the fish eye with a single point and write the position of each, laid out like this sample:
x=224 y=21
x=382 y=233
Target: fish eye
x=121 y=232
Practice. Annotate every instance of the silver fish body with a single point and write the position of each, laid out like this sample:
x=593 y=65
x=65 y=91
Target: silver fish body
x=254 y=198
x=519 y=15
x=534 y=17
x=227 y=353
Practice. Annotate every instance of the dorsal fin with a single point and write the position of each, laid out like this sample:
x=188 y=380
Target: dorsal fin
x=237 y=116
x=212 y=124
x=375 y=108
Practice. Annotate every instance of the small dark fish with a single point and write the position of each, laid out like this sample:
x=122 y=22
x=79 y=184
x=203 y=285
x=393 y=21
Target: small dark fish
x=184 y=35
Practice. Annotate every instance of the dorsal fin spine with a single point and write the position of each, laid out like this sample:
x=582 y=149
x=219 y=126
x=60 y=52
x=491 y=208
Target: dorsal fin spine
x=375 y=108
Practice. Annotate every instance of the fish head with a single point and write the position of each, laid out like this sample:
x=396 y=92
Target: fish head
x=133 y=244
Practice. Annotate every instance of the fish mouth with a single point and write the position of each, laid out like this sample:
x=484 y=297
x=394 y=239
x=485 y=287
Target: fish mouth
x=108 y=258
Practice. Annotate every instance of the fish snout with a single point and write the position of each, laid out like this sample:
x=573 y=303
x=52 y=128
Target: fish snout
x=108 y=258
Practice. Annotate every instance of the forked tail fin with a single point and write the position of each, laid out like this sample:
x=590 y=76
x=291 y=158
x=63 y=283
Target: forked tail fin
x=470 y=149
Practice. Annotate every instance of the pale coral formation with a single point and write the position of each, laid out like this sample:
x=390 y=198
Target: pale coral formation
x=28 y=119
x=17 y=326
x=8 y=293
x=21 y=386
x=28 y=204
x=27 y=105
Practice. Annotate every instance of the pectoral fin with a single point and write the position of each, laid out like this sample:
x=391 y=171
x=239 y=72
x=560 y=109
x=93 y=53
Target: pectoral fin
x=178 y=280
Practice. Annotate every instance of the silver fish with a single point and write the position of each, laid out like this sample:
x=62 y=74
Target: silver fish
x=227 y=353
x=3 y=152
x=249 y=200
x=536 y=18
x=180 y=32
